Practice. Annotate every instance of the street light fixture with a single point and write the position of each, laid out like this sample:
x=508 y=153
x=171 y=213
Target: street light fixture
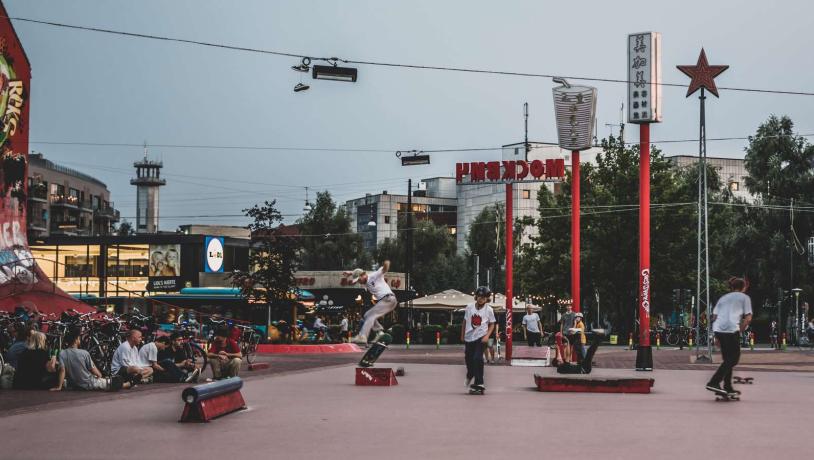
x=332 y=72
x=372 y=222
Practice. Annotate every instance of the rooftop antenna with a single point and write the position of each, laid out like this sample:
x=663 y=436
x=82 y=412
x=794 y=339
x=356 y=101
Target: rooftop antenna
x=526 y=117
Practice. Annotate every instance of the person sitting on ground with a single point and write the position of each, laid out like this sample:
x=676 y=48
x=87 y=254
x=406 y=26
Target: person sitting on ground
x=224 y=356
x=21 y=333
x=165 y=371
x=76 y=368
x=126 y=361
x=177 y=354
x=36 y=369
x=584 y=362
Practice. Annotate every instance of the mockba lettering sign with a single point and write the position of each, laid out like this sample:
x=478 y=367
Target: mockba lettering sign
x=511 y=171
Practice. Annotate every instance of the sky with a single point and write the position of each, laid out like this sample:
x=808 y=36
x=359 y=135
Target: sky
x=90 y=87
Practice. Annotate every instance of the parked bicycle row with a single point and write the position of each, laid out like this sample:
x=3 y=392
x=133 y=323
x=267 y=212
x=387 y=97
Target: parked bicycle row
x=102 y=351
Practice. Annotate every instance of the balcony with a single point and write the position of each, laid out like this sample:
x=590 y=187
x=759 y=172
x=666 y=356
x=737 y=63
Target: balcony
x=38 y=224
x=67 y=201
x=38 y=192
x=107 y=213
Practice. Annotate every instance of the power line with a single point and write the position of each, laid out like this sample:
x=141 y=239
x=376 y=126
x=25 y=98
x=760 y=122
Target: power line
x=378 y=63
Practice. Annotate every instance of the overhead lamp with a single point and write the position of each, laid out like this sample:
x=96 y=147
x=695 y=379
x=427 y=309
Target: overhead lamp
x=371 y=223
x=301 y=87
x=332 y=72
x=413 y=160
x=304 y=66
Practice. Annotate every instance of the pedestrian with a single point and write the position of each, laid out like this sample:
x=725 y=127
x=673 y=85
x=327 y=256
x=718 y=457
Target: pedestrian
x=479 y=323
x=36 y=367
x=126 y=361
x=489 y=351
x=385 y=299
x=532 y=328
x=562 y=352
x=731 y=316
x=344 y=326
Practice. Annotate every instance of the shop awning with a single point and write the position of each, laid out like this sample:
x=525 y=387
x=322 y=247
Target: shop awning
x=44 y=302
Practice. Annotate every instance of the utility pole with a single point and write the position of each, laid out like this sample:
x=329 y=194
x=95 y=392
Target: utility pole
x=477 y=271
x=526 y=117
x=409 y=250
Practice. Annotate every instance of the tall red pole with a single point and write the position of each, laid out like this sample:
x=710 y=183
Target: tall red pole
x=644 y=354
x=575 y=226
x=509 y=261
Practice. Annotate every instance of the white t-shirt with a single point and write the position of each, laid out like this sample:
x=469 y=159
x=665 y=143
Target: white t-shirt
x=531 y=321
x=126 y=356
x=477 y=321
x=376 y=284
x=149 y=353
x=730 y=309
x=343 y=326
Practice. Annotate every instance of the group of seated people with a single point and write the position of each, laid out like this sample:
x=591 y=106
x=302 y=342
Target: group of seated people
x=164 y=360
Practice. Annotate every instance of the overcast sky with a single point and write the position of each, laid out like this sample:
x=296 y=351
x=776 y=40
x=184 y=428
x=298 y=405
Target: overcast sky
x=100 y=88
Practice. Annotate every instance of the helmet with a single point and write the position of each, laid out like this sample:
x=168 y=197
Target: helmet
x=483 y=291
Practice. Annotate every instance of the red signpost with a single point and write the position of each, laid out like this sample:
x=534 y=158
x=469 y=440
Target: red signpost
x=644 y=357
x=575 y=226
x=509 y=264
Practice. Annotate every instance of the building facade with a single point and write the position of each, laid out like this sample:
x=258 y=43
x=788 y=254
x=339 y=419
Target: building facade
x=63 y=201
x=376 y=217
x=732 y=171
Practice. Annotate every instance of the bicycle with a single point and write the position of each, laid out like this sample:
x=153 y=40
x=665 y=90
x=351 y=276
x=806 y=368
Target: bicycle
x=190 y=346
x=249 y=339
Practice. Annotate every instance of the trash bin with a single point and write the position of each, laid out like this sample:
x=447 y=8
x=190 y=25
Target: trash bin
x=614 y=339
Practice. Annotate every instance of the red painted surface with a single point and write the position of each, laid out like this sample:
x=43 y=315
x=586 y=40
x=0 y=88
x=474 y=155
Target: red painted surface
x=204 y=411
x=575 y=226
x=308 y=349
x=587 y=385
x=376 y=376
x=644 y=235
x=509 y=267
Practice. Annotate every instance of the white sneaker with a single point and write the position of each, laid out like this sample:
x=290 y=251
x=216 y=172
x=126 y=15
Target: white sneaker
x=193 y=376
x=359 y=340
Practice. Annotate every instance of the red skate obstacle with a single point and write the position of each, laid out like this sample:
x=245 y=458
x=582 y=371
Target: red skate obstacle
x=210 y=400
x=376 y=376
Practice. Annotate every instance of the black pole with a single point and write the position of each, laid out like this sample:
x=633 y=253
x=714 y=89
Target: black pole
x=409 y=250
x=526 y=117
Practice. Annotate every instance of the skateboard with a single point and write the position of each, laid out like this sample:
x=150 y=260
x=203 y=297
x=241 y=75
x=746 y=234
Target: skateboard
x=375 y=351
x=477 y=389
x=399 y=372
x=749 y=380
x=727 y=397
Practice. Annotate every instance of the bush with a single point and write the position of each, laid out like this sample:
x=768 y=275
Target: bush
x=454 y=334
x=398 y=333
x=428 y=334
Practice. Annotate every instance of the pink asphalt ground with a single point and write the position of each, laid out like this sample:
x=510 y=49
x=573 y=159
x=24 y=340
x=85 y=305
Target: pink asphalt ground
x=322 y=414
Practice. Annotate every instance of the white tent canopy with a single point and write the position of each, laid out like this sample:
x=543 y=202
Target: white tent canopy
x=456 y=300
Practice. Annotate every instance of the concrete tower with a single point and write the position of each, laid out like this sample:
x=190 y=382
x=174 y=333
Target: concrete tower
x=148 y=180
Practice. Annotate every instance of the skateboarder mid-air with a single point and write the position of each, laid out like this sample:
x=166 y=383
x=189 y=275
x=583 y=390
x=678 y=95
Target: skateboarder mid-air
x=479 y=323
x=731 y=315
x=383 y=295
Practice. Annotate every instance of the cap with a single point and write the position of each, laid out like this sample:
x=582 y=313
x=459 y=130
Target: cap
x=356 y=274
x=578 y=315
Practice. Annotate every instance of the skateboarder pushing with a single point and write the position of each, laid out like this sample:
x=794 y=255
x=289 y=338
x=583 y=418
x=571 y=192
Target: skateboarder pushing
x=385 y=299
x=479 y=322
x=731 y=315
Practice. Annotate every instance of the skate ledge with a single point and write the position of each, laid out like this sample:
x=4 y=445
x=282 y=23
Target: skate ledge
x=588 y=384
x=309 y=349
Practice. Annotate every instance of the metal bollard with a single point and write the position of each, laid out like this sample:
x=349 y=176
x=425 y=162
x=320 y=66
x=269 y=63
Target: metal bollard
x=408 y=340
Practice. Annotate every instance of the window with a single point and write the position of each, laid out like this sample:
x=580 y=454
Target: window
x=526 y=194
x=386 y=219
x=734 y=186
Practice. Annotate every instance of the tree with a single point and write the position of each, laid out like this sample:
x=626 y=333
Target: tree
x=436 y=266
x=125 y=228
x=330 y=244
x=486 y=238
x=272 y=258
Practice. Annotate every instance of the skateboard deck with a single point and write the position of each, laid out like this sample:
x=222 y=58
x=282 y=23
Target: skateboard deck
x=375 y=350
x=399 y=372
x=748 y=380
x=477 y=389
x=727 y=397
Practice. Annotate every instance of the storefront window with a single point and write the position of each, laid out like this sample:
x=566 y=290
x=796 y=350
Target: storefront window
x=46 y=257
x=127 y=269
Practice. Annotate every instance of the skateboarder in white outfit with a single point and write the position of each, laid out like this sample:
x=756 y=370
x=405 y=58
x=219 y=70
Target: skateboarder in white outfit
x=385 y=299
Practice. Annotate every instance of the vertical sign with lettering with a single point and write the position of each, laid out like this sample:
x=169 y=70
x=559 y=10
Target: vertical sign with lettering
x=644 y=77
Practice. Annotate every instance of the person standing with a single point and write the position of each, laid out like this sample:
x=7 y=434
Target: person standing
x=562 y=352
x=385 y=299
x=731 y=315
x=479 y=323
x=532 y=328
x=344 y=326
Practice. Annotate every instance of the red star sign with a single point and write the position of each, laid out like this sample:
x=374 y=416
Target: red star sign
x=702 y=74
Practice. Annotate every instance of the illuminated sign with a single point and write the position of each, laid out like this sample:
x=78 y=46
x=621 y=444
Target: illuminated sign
x=213 y=254
x=511 y=171
x=644 y=77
